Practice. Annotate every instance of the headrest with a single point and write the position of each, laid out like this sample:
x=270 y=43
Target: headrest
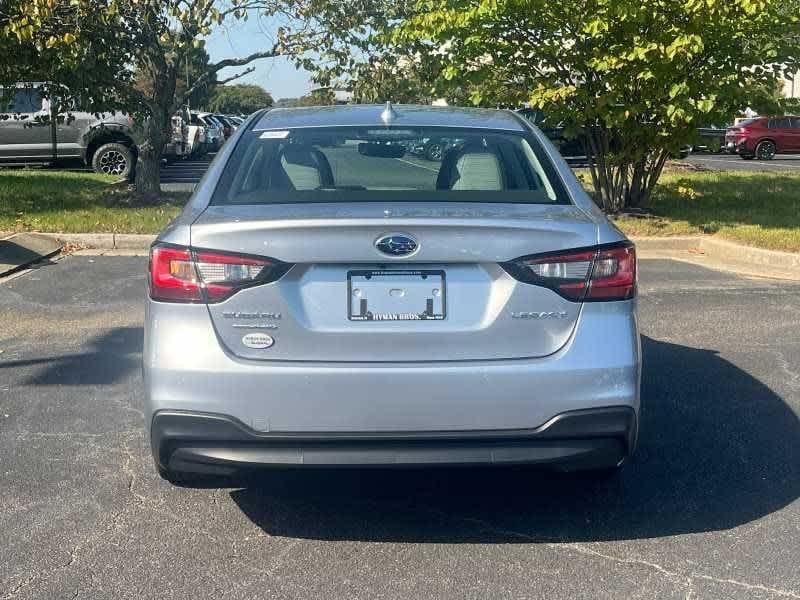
x=472 y=167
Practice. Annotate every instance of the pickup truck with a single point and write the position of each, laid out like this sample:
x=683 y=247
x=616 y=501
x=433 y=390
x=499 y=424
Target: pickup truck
x=105 y=142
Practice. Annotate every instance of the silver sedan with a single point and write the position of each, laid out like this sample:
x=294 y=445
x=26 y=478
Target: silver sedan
x=328 y=298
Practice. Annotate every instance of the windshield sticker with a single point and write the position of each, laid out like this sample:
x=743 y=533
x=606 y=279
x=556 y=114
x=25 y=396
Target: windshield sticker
x=274 y=135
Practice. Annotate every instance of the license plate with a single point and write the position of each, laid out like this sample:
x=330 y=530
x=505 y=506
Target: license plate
x=396 y=295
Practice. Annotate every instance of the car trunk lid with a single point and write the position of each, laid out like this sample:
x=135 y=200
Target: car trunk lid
x=474 y=310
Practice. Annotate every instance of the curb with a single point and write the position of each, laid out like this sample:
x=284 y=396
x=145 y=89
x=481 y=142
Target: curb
x=705 y=251
x=106 y=241
x=722 y=255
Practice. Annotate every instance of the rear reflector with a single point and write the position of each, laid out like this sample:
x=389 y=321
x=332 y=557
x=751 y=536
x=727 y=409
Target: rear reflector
x=182 y=275
x=596 y=274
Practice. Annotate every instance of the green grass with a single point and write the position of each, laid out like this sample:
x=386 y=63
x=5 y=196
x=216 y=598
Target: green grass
x=757 y=209
x=60 y=201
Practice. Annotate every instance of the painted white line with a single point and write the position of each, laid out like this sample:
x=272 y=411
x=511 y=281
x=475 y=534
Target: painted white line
x=748 y=165
x=408 y=162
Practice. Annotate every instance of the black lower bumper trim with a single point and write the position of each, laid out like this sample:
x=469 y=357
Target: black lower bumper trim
x=218 y=444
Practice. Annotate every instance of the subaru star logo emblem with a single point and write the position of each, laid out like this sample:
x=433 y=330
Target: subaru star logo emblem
x=396 y=244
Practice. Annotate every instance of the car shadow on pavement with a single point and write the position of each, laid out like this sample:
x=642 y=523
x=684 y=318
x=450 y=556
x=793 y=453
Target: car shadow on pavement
x=717 y=449
x=107 y=359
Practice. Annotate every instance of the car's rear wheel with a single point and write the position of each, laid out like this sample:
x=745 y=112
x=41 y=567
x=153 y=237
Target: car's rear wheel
x=113 y=159
x=434 y=152
x=766 y=150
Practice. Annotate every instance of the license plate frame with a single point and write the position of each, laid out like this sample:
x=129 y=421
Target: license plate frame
x=359 y=279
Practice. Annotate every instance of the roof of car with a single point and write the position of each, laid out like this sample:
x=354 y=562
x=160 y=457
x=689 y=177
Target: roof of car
x=404 y=115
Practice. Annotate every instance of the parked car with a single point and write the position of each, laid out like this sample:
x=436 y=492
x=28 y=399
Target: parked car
x=228 y=126
x=215 y=131
x=106 y=142
x=195 y=137
x=764 y=137
x=433 y=148
x=212 y=136
x=177 y=146
x=710 y=138
x=334 y=306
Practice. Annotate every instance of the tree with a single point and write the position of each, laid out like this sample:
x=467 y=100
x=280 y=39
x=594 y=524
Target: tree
x=323 y=96
x=634 y=77
x=197 y=67
x=768 y=99
x=239 y=99
x=65 y=43
x=389 y=76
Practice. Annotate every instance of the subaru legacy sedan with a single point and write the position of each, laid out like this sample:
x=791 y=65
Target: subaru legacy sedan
x=327 y=299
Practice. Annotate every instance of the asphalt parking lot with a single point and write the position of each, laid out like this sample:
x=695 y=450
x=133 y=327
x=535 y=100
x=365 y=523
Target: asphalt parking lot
x=708 y=509
x=782 y=163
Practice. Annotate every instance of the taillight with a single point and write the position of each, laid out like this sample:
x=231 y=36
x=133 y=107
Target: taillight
x=597 y=274
x=179 y=274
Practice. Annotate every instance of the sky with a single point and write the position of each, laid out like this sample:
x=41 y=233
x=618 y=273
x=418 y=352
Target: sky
x=237 y=39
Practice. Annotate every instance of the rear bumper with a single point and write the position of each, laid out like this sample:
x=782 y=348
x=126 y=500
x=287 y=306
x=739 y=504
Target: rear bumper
x=187 y=370
x=219 y=444
x=737 y=147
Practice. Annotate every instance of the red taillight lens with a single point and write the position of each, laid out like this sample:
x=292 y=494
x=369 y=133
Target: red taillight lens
x=604 y=273
x=614 y=274
x=182 y=275
x=172 y=275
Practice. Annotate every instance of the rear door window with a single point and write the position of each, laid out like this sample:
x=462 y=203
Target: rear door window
x=783 y=123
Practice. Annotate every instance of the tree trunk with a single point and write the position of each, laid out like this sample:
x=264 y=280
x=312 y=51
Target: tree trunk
x=646 y=173
x=54 y=129
x=621 y=180
x=157 y=131
x=148 y=167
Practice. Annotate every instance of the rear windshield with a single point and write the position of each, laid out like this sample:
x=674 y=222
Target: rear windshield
x=382 y=164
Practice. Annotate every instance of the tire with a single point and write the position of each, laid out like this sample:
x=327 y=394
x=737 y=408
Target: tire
x=766 y=150
x=434 y=152
x=113 y=159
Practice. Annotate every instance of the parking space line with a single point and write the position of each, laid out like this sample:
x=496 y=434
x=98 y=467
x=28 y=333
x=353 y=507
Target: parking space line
x=751 y=165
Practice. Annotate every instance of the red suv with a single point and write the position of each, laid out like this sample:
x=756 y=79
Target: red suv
x=764 y=137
